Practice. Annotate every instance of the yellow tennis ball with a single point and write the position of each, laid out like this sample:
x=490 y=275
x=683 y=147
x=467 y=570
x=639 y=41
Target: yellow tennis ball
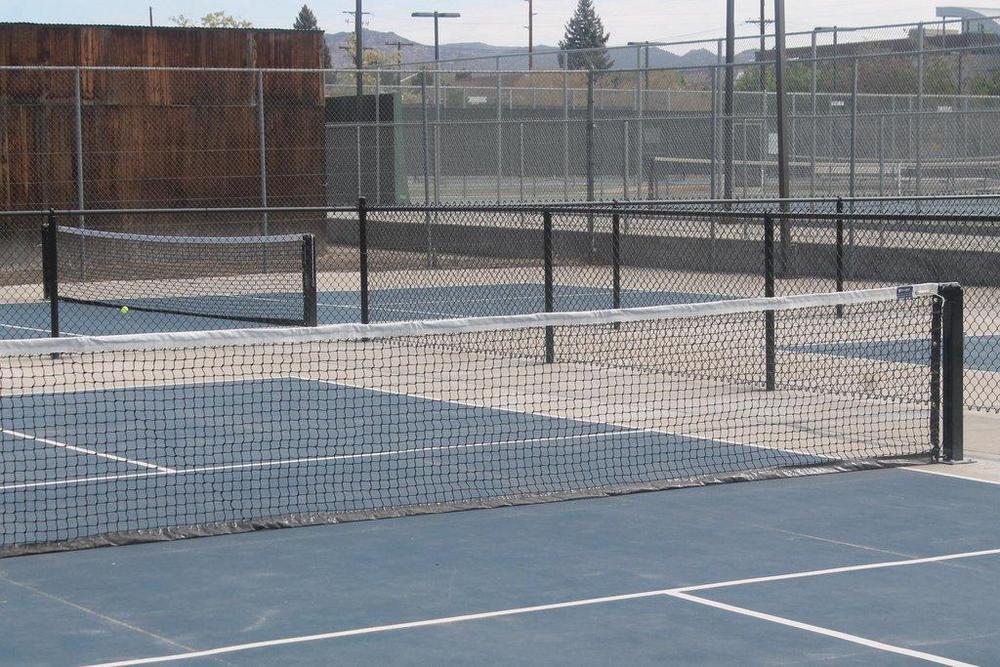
x=123 y=310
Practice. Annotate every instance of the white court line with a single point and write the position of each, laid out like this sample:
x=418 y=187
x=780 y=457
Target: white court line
x=827 y=632
x=940 y=473
x=838 y=570
x=35 y=329
x=84 y=450
x=305 y=459
x=517 y=611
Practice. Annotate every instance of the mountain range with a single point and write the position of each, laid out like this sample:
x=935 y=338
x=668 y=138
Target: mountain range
x=624 y=58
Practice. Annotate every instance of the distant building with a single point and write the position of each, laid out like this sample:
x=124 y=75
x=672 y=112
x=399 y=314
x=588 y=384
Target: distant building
x=973 y=20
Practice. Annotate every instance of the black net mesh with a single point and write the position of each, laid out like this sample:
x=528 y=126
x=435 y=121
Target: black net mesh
x=245 y=278
x=147 y=437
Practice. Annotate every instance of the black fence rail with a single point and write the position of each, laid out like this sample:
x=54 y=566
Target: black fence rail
x=401 y=263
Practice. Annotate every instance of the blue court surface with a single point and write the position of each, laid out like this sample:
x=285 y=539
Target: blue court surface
x=31 y=320
x=292 y=446
x=880 y=567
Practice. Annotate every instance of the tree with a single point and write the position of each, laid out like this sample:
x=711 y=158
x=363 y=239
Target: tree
x=306 y=20
x=212 y=20
x=585 y=30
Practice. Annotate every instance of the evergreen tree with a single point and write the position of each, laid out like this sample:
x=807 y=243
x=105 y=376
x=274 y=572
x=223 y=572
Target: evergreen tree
x=585 y=30
x=306 y=20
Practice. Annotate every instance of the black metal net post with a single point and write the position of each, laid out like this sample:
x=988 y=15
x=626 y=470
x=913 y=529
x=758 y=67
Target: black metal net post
x=50 y=268
x=363 y=257
x=839 y=223
x=550 y=344
x=616 y=261
x=309 y=289
x=952 y=371
x=769 y=331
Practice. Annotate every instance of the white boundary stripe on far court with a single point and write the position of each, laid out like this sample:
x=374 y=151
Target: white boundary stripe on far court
x=826 y=632
x=84 y=450
x=679 y=593
x=952 y=475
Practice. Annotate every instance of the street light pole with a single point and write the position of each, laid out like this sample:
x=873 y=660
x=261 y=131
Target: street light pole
x=531 y=31
x=436 y=15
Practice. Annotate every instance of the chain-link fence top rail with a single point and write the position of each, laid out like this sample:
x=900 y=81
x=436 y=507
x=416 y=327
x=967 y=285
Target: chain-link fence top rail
x=451 y=262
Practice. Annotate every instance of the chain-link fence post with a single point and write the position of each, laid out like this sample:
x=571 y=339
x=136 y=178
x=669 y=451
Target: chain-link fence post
x=713 y=144
x=520 y=160
x=589 y=140
x=378 y=137
x=920 y=110
x=590 y=158
x=424 y=139
x=727 y=122
x=853 y=147
x=437 y=136
x=565 y=165
x=78 y=129
x=626 y=158
x=812 y=124
x=80 y=197
x=262 y=146
x=499 y=136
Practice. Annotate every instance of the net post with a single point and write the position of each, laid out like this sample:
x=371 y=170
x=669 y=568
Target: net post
x=309 y=317
x=840 y=252
x=46 y=269
x=935 y=376
x=550 y=345
x=616 y=263
x=50 y=265
x=952 y=370
x=769 y=334
x=363 y=257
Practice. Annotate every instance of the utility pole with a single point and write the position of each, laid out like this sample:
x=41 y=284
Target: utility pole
x=763 y=22
x=151 y=16
x=399 y=49
x=359 y=48
x=531 y=31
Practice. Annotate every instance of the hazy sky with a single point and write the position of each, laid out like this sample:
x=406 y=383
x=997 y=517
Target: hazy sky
x=493 y=21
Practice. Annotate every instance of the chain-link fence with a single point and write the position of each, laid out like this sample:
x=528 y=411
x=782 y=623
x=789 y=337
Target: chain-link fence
x=894 y=112
x=190 y=269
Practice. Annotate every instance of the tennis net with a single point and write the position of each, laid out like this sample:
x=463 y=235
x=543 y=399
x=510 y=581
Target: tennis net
x=260 y=279
x=109 y=440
